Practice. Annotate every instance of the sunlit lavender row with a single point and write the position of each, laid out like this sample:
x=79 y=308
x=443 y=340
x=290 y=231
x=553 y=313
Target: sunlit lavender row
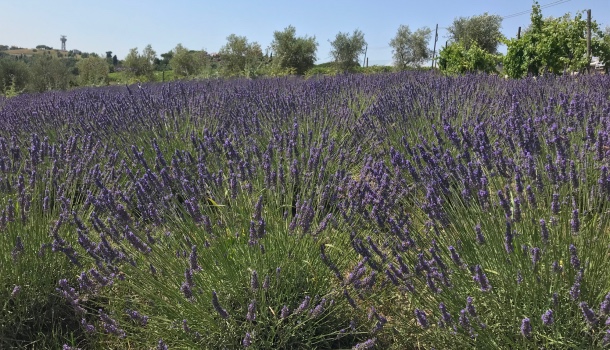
x=393 y=211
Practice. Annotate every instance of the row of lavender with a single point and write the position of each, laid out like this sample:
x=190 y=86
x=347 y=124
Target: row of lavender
x=384 y=210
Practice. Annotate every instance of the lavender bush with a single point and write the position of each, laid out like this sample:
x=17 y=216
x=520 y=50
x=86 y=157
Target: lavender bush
x=350 y=211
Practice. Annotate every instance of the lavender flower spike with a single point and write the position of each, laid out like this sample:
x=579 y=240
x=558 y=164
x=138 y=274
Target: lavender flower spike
x=481 y=278
x=547 y=318
x=369 y=344
x=526 y=327
x=222 y=312
x=421 y=318
x=588 y=313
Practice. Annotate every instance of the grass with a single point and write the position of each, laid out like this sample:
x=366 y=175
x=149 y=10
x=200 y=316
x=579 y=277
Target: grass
x=330 y=213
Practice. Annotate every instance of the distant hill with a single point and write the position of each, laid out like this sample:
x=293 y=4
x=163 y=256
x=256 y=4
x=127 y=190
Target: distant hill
x=32 y=52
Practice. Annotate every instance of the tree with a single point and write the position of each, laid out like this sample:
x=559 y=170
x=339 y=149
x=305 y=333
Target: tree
x=49 y=73
x=346 y=49
x=292 y=52
x=140 y=65
x=410 y=49
x=554 y=45
x=186 y=63
x=93 y=71
x=239 y=57
x=109 y=54
x=484 y=30
x=457 y=59
x=14 y=75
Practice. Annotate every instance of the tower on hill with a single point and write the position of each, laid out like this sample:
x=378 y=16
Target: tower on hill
x=63 y=42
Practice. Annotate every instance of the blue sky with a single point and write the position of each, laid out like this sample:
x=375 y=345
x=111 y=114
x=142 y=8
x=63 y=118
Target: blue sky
x=117 y=26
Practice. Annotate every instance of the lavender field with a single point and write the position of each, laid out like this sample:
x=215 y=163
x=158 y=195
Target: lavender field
x=391 y=211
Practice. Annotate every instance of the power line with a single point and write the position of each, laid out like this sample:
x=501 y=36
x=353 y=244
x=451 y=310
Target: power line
x=554 y=3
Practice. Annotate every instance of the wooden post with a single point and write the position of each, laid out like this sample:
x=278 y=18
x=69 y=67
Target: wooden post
x=435 y=40
x=519 y=33
x=367 y=62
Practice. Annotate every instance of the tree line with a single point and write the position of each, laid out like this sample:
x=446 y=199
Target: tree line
x=547 y=45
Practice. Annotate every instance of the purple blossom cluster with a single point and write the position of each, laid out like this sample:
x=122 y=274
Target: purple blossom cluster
x=260 y=159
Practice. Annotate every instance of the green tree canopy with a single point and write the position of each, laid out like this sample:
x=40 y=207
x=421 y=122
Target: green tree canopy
x=554 y=45
x=187 y=63
x=14 y=75
x=49 y=73
x=347 y=48
x=457 y=59
x=93 y=71
x=140 y=65
x=410 y=49
x=292 y=52
x=484 y=30
x=239 y=57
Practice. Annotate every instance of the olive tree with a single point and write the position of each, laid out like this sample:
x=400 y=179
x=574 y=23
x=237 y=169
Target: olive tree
x=292 y=52
x=410 y=49
x=346 y=49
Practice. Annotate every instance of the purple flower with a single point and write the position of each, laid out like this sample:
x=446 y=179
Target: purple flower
x=535 y=255
x=110 y=325
x=574 y=261
x=481 y=278
x=470 y=307
x=185 y=326
x=455 y=256
x=254 y=281
x=479 y=236
x=575 y=222
x=193 y=259
x=445 y=314
x=285 y=312
x=463 y=319
x=544 y=232
x=526 y=327
x=161 y=345
x=137 y=317
x=421 y=318
x=18 y=249
x=247 y=341
x=547 y=317
x=304 y=305
x=575 y=289
x=519 y=277
x=251 y=316
x=555 y=204
x=431 y=284
x=319 y=309
x=588 y=313
x=368 y=344
x=530 y=196
x=16 y=290
x=222 y=312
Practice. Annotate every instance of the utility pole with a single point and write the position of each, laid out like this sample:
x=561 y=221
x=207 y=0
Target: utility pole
x=435 y=40
x=519 y=33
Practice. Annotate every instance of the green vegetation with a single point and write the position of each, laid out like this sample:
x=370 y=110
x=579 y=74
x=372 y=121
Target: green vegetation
x=554 y=45
x=346 y=49
x=292 y=54
x=410 y=49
